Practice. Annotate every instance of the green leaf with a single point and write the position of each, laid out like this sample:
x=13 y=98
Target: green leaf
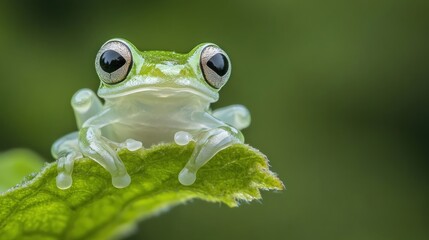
x=15 y=165
x=93 y=209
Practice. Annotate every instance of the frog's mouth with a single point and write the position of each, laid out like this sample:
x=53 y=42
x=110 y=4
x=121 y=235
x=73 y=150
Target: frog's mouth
x=161 y=92
x=159 y=88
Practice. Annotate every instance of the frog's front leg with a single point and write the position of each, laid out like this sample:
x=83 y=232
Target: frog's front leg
x=208 y=143
x=94 y=146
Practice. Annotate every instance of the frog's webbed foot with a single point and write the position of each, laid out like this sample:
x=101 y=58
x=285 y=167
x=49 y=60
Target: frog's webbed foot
x=66 y=150
x=208 y=144
x=94 y=146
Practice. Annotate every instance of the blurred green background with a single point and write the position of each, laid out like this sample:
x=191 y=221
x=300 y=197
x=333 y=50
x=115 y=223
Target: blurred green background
x=338 y=92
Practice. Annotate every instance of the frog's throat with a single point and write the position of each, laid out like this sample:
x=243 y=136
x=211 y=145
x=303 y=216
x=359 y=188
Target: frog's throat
x=161 y=92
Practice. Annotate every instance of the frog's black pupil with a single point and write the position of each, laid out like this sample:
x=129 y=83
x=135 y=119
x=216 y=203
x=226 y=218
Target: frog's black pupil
x=111 y=61
x=219 y=64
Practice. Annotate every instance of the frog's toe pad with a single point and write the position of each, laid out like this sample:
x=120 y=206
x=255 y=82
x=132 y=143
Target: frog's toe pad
x=133 y=145
x=82 y=100
x=187 y=177
x=182 y=138
x=64 y=181
x=121 y=181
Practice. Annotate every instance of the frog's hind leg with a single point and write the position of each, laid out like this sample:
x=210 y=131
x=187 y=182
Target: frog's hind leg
x=94 y=146
x=66 y=150
x=85 y=105
x=207 y=145
x=235 y=115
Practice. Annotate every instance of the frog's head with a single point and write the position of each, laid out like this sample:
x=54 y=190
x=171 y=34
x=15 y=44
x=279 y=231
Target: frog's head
x=124 y=70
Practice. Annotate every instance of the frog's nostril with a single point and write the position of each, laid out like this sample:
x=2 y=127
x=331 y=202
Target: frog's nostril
x=111 y=61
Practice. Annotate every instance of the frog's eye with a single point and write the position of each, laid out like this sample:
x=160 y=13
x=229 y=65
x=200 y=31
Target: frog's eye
x=215 y=66
x=113 y=62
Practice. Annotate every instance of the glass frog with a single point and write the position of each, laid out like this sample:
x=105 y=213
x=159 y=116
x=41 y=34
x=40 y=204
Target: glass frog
x=151 y=97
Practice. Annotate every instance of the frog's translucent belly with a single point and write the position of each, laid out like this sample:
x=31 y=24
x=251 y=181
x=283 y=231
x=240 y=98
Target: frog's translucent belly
x=155 y=117
x=150 y=131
